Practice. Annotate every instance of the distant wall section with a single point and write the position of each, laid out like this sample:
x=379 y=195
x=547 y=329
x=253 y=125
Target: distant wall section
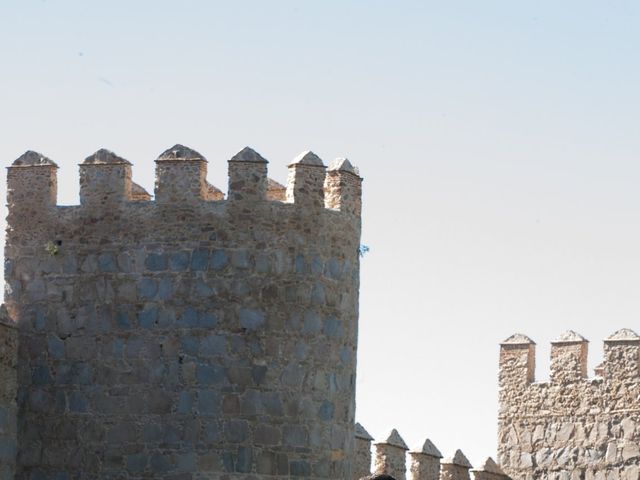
x=571 y=427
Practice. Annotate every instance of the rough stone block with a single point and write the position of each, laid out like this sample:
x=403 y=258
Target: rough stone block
x=251 y=319
x=156 y=262
x=199 y=259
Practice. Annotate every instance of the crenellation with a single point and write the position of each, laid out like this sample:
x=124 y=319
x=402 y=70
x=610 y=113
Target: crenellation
x=390 y=456
x=105 y=180
x=362 y=452
x=572 y=426
x=305 y=184
x=489 y=470
x=569 y=358
x=181 y=176
x=343 y=187
x=425 y=462
x=247 y=176
x=517 y=365
x=32 y=189
x=622 y=356
x=456 y=467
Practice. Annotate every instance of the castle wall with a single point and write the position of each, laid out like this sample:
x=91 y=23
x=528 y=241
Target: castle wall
x=184 y=338
x=8 y=393
x=571 y=427
x=393 y=457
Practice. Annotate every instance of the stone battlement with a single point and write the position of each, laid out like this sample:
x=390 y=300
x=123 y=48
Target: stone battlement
x=569 y=354
x=106 y=181
x=189 y=336
x=570 y=425
x=393 y=457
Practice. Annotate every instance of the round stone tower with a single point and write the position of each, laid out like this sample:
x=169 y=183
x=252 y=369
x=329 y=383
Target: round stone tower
x=188 y=337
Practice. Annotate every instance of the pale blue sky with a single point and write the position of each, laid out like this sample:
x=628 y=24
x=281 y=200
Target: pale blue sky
x=498 y=141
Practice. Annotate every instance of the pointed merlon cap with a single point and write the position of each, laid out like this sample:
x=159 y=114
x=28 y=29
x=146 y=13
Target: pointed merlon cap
x=428 y=448
x=623 y=335
x=343 y=165
x=570 y=337
x=180 y=153
x=248 y=155
x=361 y=433
x=458 y=459
x=395 y=440
x=273 y=185
x=33 y=159
x=490 y=466
x=308 y=158
x=138 y=192
x=518 y=339
x=105 y=157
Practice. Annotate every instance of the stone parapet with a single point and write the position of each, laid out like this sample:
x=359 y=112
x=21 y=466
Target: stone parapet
x=456 y=467
x=305 y=184
x=362 y=455
x=571 y=426
x=390 y=457
x=423 y=463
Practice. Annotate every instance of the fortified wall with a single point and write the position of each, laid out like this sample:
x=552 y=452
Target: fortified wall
x=188 y=337
x=571 y=427
x=393 y=457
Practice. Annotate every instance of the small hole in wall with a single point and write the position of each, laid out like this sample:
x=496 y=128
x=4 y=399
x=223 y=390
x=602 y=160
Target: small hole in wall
x=58 y=242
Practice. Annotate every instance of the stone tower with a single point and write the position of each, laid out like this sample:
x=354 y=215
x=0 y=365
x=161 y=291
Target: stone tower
x=188 y=337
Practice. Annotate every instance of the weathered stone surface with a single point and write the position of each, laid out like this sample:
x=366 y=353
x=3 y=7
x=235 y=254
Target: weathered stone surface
x=276 y=191
x=33 y=159
x=569 y=337
x=8 y=394
x=104 y=157
x=342 y=164
x=489 y=470
x=455 y=467
x=362 y=452
x=390 y=457
x=308 y=158
x=156 y=339
x=572 y=426
x=424 y=462
x=428 y=448
x=248 y=154
x=517 y=339
x=623 y=335
x=180 y=153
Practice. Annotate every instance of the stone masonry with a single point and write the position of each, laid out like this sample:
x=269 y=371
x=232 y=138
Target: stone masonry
x=185 y=337
x=423 y=463
x=8 y=394
x=571 y=427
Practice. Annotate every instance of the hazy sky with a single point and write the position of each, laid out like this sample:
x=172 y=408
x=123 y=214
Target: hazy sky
x=498 y=140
